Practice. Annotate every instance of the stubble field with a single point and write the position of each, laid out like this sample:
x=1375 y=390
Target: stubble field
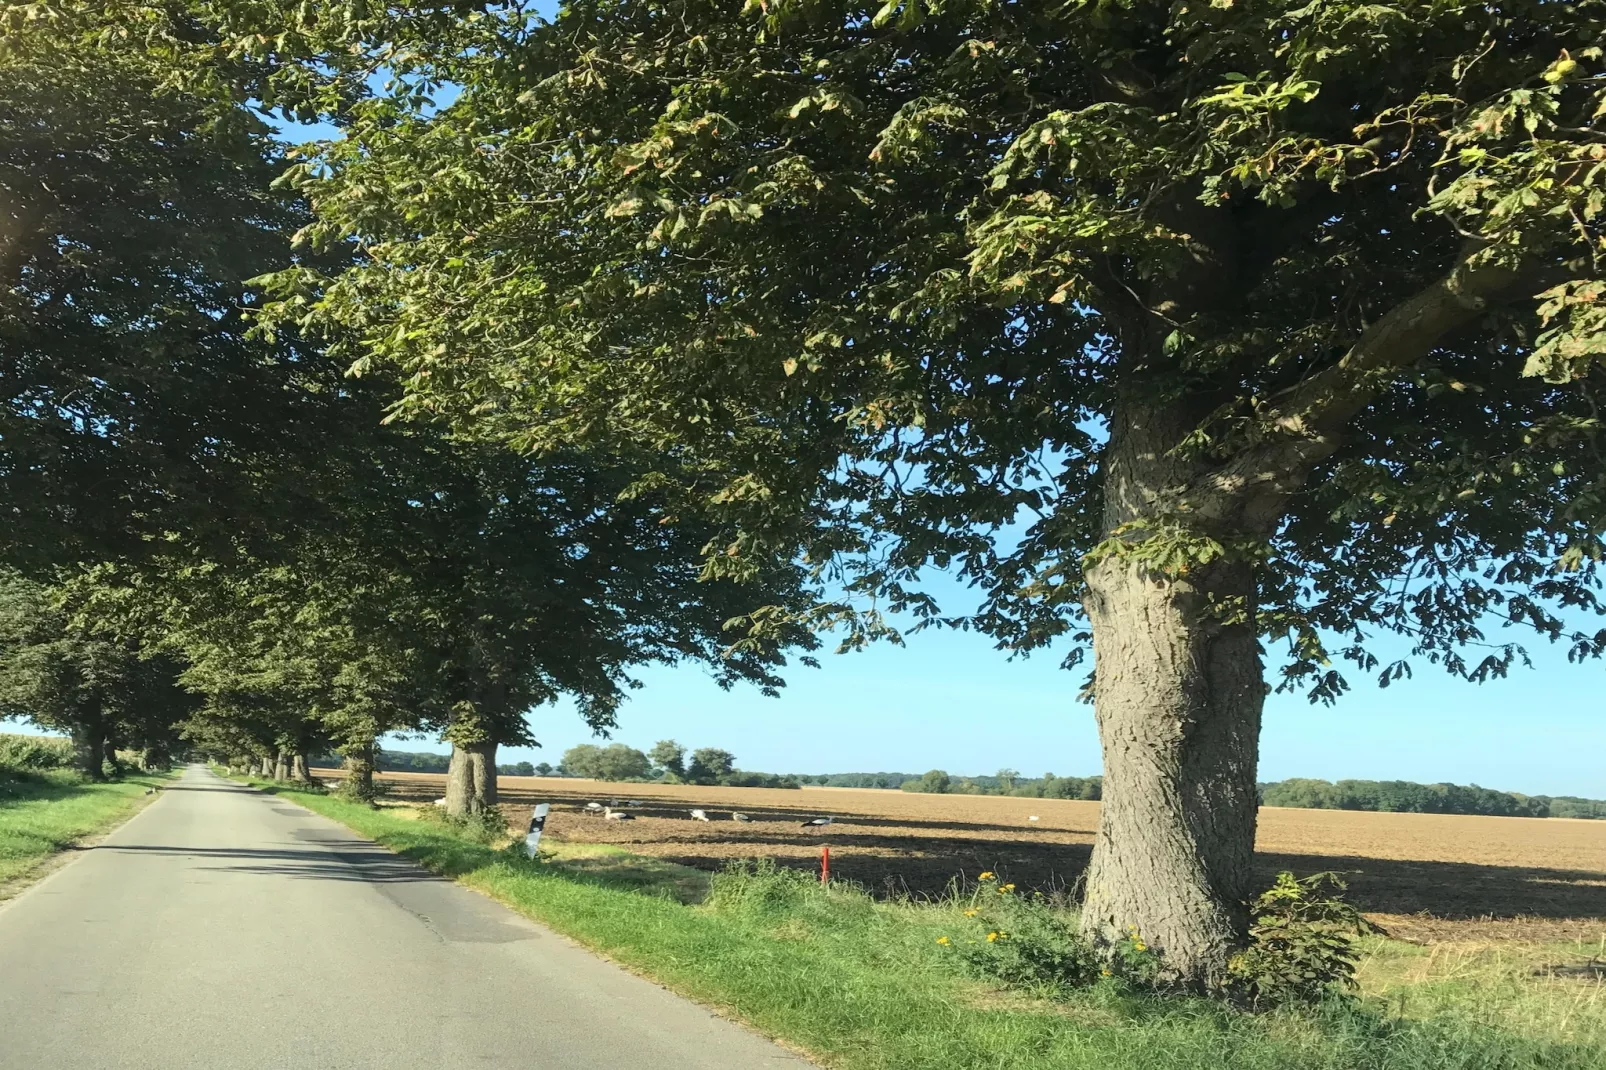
x=1424 y=877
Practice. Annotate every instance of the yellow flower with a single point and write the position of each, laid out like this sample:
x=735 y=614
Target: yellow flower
x=971 y=913
x=1139 y=945
x=1006 y=887
x=987 y=876
x=943 y=940
x=992 y=938
x=1105 y=973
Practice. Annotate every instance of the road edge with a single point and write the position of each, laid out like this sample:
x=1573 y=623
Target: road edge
x=722 y=1011
x=16 y=887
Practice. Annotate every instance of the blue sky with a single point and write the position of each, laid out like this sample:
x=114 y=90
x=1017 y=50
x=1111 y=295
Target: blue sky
x=948 y=700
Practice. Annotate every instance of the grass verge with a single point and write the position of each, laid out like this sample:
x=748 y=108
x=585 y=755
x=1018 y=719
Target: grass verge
x=863 y=985
x=45 y=812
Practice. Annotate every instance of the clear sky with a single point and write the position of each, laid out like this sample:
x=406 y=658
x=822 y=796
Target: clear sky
x=949 y=700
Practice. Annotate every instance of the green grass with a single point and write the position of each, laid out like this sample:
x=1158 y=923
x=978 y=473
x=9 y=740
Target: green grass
x=43 y=812
x=863 y=985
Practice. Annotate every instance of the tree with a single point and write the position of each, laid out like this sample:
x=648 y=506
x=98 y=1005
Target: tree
x=1006 y=780
x=138 y=199
x=1261 y=322
x=709 y=765
x=99 y=689
x=543 y=768
x=669 y=756
x=935 y=781
x=613 y=762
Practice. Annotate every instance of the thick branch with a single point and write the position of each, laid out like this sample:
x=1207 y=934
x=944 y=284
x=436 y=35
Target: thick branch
x=1306 y=423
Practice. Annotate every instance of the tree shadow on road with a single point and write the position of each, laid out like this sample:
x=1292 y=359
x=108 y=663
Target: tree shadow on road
x=345 y=860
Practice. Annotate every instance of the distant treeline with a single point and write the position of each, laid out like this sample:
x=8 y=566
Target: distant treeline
x=669 y=763
x=1396 y=796
x=1403 y=796
x=939 y=782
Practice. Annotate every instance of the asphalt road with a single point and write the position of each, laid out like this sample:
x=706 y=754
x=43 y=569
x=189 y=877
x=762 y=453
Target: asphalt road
x=223 y=928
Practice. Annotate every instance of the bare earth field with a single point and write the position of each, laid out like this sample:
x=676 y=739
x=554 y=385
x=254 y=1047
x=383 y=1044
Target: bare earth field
x=1424 y=877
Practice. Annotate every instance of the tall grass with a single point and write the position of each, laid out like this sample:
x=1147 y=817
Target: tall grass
x=864 y=985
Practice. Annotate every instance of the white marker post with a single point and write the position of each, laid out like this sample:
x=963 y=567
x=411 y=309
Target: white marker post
x=532 y=839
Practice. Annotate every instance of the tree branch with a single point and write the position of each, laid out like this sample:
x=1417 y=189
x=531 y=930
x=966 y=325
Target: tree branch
x=1305 y=423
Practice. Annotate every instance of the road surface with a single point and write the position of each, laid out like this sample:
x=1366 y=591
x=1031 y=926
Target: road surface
x=222 y=928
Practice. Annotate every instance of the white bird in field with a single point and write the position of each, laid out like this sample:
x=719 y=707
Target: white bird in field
x=611 y=814
x=440 y=802
x=815 y=822
x=1032 y=818
x=698 y=815
x=740 y=817
x=593 y=808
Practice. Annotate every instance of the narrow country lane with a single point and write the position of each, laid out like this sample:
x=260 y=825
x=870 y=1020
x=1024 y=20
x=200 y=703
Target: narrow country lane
x=223 y=928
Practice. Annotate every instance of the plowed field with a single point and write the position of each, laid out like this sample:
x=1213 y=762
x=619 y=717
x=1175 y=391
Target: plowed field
x=1423 y=876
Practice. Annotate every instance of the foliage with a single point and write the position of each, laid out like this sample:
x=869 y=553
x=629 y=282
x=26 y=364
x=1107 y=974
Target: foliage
x=934 y=781
x=709 y=765
x=103 y=689
x=669 y=756
x=742 y=778
x=1302 y=942
x=951 y=246
x=613 y=762
x=35 y=752
x=1024 y=941
x=139 y=199
x=1405 y=797
x=488 y=826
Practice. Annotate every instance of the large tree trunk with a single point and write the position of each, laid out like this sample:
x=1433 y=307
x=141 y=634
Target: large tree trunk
x=1178 y=693
x=109 y=756
x=1179 y=696
x=359 y=763
x=471 y=779
x=265 y=767
x=459 y=784
x=281 y=765
x=482 y=759
x=300 y=770
x=89 y=744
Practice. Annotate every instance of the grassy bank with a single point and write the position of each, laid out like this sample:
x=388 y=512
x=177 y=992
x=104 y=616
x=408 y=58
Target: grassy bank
x=43 y=812
x=864 y=985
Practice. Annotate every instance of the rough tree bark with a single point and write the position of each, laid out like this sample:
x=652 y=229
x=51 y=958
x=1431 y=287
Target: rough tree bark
x=471 y=778
x=1179 y=696
x=281 y=764
x=300 y=770
x=265 y=767
x=359 y=764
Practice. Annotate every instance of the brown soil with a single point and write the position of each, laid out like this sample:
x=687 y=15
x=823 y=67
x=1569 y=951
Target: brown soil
x=1422 y=876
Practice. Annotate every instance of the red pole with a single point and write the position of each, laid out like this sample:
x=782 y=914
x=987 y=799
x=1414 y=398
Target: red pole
x=825 y=865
